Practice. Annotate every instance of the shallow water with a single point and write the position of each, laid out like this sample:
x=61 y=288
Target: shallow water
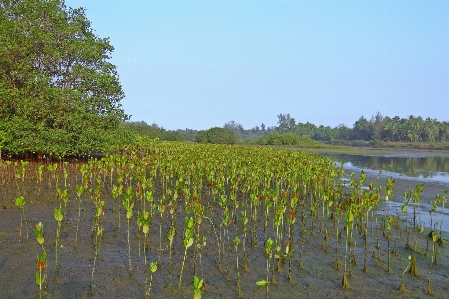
x=407 y=169
x=425 y=167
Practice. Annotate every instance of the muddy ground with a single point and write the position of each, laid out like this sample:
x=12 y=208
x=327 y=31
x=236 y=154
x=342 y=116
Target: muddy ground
x=317 y=279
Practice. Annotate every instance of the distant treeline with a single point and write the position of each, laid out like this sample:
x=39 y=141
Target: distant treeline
x=288 y=132
x=373 y=131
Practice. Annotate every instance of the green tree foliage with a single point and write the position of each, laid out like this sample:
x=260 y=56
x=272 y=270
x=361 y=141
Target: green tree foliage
x=365 y=132
x=153 y=131
x=58 y=92
x=363 y=129
x=216 y=135
x=285 y=122
x=248 y=135
x=277 y=138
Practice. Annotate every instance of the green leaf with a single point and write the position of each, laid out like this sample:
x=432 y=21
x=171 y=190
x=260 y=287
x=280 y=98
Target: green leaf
x=262 y=283
x=40 y=240
x=20 y=201
x=58 y=214
x=196 y=280
x=189 y=243
x=153 y=266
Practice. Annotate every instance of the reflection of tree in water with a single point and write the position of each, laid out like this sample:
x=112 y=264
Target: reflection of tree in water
x=425 y=167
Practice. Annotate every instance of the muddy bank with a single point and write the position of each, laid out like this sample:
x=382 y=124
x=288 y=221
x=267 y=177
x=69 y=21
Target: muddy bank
x=317 y=278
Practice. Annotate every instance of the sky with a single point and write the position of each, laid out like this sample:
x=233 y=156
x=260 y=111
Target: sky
x=200 y=64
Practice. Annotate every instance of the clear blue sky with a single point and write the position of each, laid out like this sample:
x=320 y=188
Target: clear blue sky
x=199 y=64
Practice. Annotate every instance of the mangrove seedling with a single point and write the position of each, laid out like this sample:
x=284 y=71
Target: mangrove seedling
x=99 y=212
x=40 y=265
x=239 y=286
x=128 y=204
x=20 y=202
x=153 y=268
x=58 y=217
x=269 y=253
x=390 y=224
x=64 y=196
x=170 y=237
x=414 y=266
x=197 y=284
x=39 y=234
x=40 y=170
x=245 y=230
x=349 y=217
x=79 y=192
x=188 y=241
x=402 y=287
x=435 y=238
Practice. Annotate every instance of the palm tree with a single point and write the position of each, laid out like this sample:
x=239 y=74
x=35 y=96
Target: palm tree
x=444 y=131
x=431 y=129
x=416 y=125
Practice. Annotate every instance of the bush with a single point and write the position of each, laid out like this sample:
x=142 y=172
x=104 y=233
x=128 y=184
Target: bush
x=216 y=135
x=375 y=143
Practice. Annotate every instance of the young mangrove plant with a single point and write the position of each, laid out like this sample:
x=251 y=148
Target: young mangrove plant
x=20 y=202
x=435 y=238
x=415 y=194
x=42 y=259
x=40 y=265
x=64 y=196
x=268 y=253
x=390 y=225
x=98 y=231
x=39 y=172
x=128 y=204
x=144 y=222
x=245 y=230
x=153 y=268
x=238 y=284
x=188 y=241
x=338 y=213
x=58 y=217
x=402 y=287
x=197 y=284
x=349 y=217
x=170 y=237
x=79 y=192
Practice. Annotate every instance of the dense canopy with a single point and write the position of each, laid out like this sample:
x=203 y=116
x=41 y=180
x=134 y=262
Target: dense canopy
x=59 y=94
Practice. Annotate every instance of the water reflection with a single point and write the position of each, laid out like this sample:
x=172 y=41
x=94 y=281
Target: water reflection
x=434 y=167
